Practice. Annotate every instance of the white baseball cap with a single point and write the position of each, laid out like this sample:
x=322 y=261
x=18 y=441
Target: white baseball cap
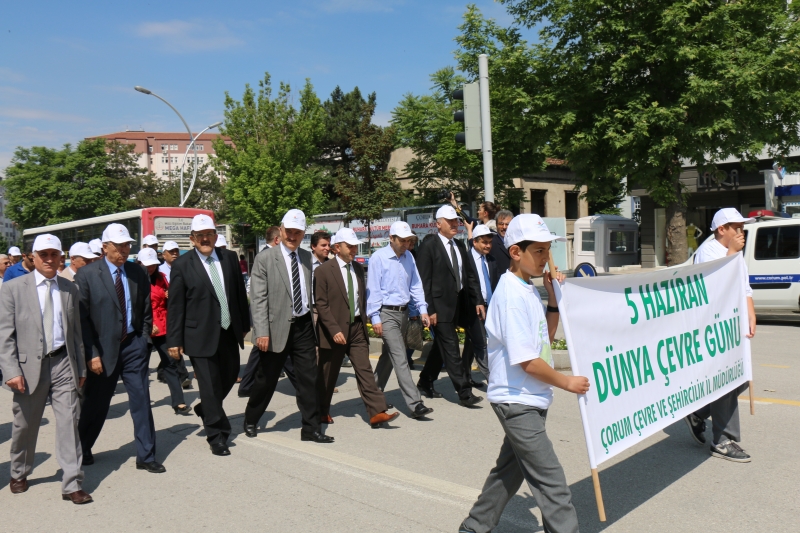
x=96 y=246
x=481 y=230
x=221 y=241
x=295 y=219
x=347 y=236
x=14 y=250
x=46 y=242
x=202 y=222
x=150 y=240
x=401 y=229
x=528 y=227
x=116 y=233
x=170 y=245
x=446 y=211
x=727 y=216
x=333 y=239
x=148 y=257
x=81 y=249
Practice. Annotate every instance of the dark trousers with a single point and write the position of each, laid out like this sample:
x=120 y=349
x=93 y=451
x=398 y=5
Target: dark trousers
x=132 y=366
x=724 y=413
x=445 y=346
x=300 y=347
x=330 y=363
x=252 y=368
x=174 y=371
x=216 y=376
x=475 y=348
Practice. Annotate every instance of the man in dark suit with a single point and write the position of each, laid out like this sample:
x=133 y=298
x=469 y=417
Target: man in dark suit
x=280 y=295
x=207 y=319
x=484 y=266
x=342 y=329
x=452 y=292
x=503 y=260
x=116 y=319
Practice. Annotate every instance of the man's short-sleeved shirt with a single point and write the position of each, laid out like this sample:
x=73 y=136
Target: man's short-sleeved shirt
x=712 y=250
x=517 y=332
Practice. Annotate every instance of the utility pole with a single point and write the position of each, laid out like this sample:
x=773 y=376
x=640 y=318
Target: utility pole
x=486 y=128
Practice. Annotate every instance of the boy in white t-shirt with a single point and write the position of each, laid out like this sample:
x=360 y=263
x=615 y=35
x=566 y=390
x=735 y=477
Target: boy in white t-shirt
x=521 y=380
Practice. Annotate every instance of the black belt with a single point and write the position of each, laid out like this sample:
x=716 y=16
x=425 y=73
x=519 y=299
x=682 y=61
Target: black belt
x=301 y=318
x=57 y=353
x=394 y=307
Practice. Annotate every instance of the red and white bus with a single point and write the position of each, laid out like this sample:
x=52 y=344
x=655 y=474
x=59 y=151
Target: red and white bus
x=166 y=223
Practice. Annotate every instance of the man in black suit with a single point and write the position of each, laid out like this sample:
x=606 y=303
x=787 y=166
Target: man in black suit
x=499 y=251
x=116 y=319
x=207 y=318
x=485 y=267
x=452 y=291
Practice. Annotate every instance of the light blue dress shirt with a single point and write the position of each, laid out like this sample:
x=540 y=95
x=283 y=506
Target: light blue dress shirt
x=393 y=280
x=113 y=269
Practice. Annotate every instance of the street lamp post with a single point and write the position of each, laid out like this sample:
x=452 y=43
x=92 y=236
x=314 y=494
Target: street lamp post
x=192 y=140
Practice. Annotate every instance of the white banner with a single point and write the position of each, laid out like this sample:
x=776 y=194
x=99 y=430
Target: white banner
x=655 y=347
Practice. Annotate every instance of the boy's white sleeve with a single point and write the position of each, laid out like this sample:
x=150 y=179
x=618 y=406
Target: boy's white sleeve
x=521 y=336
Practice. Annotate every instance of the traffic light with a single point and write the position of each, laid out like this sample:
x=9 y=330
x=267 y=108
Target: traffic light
x=470 y=116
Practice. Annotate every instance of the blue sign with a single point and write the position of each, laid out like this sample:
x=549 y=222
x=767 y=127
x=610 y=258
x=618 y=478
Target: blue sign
x=585 y=270
x=775 y=278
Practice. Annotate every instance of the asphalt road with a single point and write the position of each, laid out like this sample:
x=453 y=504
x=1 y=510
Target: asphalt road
x=415 y=476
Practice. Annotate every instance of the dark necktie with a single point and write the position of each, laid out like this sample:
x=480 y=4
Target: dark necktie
x=454 y=259
x=351 y=296
x=486 y=279
x=296 y=294
x=121 y=297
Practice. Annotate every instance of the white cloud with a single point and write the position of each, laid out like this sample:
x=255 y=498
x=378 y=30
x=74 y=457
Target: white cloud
x=189 y=36
x=344 y=6
x=22 y=113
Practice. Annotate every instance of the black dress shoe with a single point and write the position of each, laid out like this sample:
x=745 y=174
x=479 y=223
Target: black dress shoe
x=152 y=467
x=316 y=437
x=220 y=449
x=428 y=390
x=244 y=393
x=185 y=410
x=88 y=458
x=250 y=430
x=187 y=384
x=471 y=401
x=421 y=411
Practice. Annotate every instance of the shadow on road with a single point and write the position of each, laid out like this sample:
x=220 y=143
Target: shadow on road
x=38 y=458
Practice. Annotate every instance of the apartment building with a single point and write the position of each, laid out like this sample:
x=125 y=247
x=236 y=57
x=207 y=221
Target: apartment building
x=8 y=229
x=162 y=152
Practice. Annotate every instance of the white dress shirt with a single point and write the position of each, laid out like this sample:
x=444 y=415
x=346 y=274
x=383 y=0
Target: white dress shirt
x=217 y=265
x=343 y=270
x=166 y=269
x=446 y=243
x=58 y=324
x=303 y=294
x=476 y=257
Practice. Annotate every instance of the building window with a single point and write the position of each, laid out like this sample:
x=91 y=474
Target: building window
x=538 y=202
x=199 y=147
x=587 y=241
x=173 y=146
x=164 y=147
x=571 y=199
x=164 y=159
x=621 y=242
x=150 y=148
x=164 y=172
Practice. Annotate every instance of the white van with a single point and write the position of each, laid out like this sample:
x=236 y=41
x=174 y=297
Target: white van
x=772 y=255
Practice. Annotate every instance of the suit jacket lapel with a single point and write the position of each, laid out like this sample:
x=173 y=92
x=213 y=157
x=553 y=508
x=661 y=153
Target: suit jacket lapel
x=305 y=266
x=65 y=303
x=448 y=257
x=227 y=274
x=362 y=289
x=33 y=301
x=105 y=279
x=340 y=280
x=280 y=264
x=200 y=270
x=133 y=286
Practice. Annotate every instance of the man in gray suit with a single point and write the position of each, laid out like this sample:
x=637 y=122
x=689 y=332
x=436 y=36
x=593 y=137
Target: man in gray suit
x=280 y=304
x=41 y=355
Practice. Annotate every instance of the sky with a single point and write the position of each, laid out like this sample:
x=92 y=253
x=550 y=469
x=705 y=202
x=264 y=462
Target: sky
x=67 y=69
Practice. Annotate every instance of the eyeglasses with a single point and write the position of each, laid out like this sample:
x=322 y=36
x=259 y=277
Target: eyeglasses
x=206 y=235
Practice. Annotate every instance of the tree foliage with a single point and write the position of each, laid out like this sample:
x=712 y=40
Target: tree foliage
x=637 y=88
x=271 y=165
x=367 y=185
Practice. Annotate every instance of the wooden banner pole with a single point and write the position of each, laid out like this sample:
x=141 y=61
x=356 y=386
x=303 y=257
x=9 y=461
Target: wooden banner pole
x=601 y=510
x=552 y=265
x=752 y=399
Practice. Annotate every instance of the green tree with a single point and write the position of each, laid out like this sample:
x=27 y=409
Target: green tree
x=270 y=166
x=369 y=186
x=637 y=88
x=46 y=186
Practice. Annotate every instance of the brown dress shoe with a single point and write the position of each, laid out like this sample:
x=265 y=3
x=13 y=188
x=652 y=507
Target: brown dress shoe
x=327 y=419
x=380 y=418
x=18 y=486
x=78 y=497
